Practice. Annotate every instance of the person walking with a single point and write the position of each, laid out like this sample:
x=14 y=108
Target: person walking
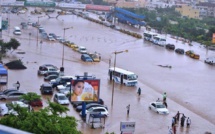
x=173 y=121
x=177 y=116
x=165 y=104
x=174 y=129
x=128 y=109
x=17 y=85
x=164 y=96
x=139 y=91
x=188 y=122
x=182 y=120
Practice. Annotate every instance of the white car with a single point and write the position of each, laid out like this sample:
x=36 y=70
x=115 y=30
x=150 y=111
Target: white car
x=97 y=110
x=158 y=107
x=22 y=11
x=6 y=109
x=61 y=99
x=82 y=50
x=210 y=60
x=51 y=38
x=62 y=87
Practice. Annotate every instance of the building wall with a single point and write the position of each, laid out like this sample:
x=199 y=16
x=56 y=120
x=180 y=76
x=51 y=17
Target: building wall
x=188 y=11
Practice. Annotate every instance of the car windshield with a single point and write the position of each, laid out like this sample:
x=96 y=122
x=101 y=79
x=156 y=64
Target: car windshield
x=160 y=106
x=62 y=97
x=91 y=109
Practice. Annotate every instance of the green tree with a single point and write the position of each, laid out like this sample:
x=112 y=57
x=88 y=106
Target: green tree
x=30 y=96
x=42 y=122
x=13 y=44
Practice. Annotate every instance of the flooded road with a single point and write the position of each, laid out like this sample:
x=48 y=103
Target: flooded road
x=189 y=83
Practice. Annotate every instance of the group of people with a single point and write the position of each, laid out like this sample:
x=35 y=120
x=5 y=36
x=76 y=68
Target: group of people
x=175 y=121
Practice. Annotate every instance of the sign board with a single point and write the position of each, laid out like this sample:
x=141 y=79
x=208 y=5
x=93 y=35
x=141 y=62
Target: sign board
x=39 y=4
x=70 y=5
x=128 y=127
x=85 y=90
x=213 y=38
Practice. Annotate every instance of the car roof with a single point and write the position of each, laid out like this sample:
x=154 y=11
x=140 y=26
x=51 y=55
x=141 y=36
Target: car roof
x=99 y=108
x=65 y=77
x=46 y=85
x=60 y=94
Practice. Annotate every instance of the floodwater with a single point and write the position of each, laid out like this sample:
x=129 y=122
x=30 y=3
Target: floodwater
x=189 y=83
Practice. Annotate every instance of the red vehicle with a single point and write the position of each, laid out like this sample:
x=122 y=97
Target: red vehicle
x=35 y=103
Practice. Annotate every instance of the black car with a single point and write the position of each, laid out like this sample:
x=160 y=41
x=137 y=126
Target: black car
x=78 y=103
x=179 y=51
x=46 y=88
x=7 y=91
x=79 y=108
x=170 y=46
x=61 y=81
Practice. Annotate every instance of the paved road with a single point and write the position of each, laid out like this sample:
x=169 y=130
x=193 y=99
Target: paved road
x=189 y=83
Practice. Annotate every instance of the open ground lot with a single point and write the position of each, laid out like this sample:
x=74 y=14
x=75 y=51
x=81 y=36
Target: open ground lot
x=189 y=83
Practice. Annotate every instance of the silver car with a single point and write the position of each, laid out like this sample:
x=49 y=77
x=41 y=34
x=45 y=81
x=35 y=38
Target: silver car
x=15 y=95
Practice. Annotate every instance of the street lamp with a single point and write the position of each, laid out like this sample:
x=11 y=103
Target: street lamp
x=38 y=25
x=63 y=44
x=116 y=52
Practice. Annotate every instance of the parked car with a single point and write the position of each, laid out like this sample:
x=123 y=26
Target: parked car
x=51 y=38
x=158 y=107
x=7 y=91
x=77 y=103
x=61 y=80
x=51 y=73
x=14 y=95
x=50 y=77
x=34 y=103
x=210 y=60
x=7 y=109
x=82 y=50
x=192 y=54
x=75 y=47
x=179 y=51
x=86 y=58
x=35 y=25
x=22 y=11
x=46 y=68
x=170 y=46
x=61 y=99
x=46 y=88
x=65 y=91
x=99 y=110
x=88 y=106
x=64 y=86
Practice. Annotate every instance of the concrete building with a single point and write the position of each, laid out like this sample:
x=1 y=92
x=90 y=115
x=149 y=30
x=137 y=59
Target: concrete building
x=188 y=11
x=206 y=9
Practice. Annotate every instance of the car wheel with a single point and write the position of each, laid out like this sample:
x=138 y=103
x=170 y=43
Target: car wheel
x=150 y=108
x=157 y=112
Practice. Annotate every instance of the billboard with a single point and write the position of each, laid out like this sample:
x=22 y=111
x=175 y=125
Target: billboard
x=213 y=38
x=85 y=90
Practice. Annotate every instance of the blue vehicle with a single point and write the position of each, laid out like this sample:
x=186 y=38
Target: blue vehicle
x=86 y=58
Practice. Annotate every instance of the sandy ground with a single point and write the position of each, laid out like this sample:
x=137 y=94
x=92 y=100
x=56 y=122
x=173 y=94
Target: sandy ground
x=189 y=83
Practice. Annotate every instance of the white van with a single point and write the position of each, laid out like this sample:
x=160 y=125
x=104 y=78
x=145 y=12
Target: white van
x=17 y=31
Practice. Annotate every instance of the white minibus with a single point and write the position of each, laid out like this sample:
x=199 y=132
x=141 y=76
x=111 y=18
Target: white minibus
x=122 y=76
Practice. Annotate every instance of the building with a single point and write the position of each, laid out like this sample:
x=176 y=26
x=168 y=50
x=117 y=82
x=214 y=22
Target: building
x=188 y=11
x=206 y=9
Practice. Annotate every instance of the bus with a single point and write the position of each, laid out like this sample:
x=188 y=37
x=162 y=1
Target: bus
x=122 y=76
x=148 y=36
x=159 y=40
